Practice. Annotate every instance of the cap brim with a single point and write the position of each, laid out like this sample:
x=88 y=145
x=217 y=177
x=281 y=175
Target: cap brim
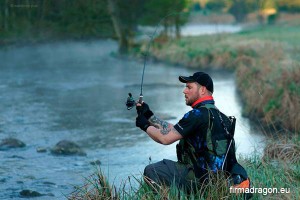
x=186 y=79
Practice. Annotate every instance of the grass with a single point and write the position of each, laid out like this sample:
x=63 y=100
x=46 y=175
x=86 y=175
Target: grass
x=278 y=168
x=266 y=60
x=264 y=174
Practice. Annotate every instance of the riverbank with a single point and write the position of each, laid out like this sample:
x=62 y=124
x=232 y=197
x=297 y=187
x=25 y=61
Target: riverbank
x=276 y=176
x=266 y=62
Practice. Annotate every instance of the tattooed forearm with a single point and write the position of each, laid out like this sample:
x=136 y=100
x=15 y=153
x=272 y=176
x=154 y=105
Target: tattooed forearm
x=160 y=124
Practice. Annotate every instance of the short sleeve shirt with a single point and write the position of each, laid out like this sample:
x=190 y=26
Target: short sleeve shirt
x=193 y=122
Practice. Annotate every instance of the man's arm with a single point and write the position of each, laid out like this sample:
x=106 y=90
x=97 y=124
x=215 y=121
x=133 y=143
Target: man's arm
x=162 y=131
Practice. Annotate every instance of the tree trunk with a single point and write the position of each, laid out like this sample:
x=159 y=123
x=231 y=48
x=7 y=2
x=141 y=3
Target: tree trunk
x=166 y=28
x=177 y=26
x=239 y=10
x=6 y=16
x=119 y=29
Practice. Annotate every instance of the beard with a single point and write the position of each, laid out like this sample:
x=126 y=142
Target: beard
x=190 y=100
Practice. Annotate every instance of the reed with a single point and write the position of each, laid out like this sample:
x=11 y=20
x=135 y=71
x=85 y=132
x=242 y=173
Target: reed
x=96 y=187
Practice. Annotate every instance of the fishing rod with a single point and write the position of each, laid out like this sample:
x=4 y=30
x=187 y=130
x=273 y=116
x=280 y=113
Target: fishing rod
x=130 y=103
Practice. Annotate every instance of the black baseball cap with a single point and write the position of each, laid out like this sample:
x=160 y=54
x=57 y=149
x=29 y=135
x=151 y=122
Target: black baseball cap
x=200 y=77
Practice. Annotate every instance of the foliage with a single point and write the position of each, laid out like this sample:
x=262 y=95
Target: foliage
x=76 y=19
x=216 y=5
x=240 y=9
x=289 y=5
x=82 y=19
x=124 y=15
x=169 y=13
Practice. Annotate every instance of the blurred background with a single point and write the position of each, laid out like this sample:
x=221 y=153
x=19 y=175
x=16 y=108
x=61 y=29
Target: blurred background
x=44 y=20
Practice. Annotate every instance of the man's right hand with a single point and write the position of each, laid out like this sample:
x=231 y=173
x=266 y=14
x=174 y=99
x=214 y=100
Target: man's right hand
x=143 y=109
x=142 y=122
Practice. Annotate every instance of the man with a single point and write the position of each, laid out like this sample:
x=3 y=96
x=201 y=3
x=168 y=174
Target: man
x=203 y=133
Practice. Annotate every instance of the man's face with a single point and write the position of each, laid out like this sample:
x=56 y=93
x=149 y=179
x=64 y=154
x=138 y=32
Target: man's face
x=191 y=93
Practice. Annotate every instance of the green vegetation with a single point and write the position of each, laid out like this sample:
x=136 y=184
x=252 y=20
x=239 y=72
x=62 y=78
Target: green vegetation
x=279 y=168
x=266 y=61
x=266 y=10
x=127 y=15
x=30 y=21
x=36 y=20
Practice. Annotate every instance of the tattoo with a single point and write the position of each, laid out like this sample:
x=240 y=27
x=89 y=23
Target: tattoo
x=160 y=124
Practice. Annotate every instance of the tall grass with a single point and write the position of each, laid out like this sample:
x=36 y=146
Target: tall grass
x=270 y=87
x=263 y=174
x=96 y=187
x=279 y=167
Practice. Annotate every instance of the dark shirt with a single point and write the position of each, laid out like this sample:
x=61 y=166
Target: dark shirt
x=193 y=127
x=195 y=121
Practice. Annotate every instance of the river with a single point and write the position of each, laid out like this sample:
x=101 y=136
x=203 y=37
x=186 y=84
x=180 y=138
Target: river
x=77 y=91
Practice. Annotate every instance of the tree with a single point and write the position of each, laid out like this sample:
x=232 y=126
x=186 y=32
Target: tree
x=215 y=5
x=118 y=25
x=44 y=19
x=124 y=15
x=179 y=19
x=289 y=5
x=127 y=14
x=168 y=12
x=239 y=10
x=4 y=15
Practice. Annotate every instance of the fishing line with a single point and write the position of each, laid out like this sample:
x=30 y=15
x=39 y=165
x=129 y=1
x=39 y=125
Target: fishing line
x=148 y=48
x=130 y=101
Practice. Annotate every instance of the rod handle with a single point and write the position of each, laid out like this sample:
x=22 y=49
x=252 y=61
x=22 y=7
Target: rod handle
x=141 y=99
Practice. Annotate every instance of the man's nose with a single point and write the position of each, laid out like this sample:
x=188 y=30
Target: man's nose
x=184 y=91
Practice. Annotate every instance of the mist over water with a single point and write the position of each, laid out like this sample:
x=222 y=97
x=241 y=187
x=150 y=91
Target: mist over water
x=77 y=91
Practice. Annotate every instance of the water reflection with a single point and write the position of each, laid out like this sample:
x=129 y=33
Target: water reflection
x=207 y=29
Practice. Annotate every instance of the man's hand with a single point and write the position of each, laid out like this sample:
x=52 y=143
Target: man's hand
x=142 y=122
x=143 y=109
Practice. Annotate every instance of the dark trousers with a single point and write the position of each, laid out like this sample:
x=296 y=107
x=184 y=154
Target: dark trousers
x=168 y=172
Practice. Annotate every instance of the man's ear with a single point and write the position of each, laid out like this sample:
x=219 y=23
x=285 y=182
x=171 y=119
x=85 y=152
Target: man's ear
x=200 y=90
x=203 y=90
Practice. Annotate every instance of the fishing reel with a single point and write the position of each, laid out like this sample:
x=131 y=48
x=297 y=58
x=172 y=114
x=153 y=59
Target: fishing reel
x=130 y=103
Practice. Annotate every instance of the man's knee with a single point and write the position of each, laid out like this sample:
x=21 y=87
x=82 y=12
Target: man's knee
x=149 y=171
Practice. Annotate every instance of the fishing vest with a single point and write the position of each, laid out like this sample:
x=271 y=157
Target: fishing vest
x=218 y=152
x=215 y=146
